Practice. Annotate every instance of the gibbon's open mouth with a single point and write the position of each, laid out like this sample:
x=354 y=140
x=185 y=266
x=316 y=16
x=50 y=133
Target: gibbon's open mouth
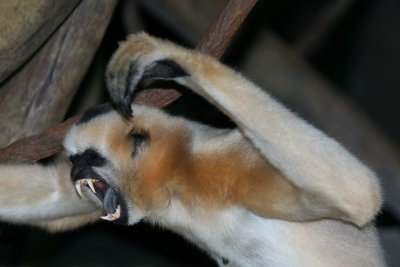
x=105 y=193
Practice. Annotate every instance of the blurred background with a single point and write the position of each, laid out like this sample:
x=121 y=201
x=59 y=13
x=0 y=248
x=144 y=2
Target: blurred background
x=334 y=62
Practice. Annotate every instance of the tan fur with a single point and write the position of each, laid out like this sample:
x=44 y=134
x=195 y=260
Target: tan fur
x=290 y=138
x=274 y=192
x=217 y=179
x=291 y=171
x=44 y=197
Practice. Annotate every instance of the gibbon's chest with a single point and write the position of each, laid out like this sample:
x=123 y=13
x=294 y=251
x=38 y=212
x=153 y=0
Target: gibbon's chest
x=234 y=235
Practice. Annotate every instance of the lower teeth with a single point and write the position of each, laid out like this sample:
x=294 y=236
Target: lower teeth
x=114 y=216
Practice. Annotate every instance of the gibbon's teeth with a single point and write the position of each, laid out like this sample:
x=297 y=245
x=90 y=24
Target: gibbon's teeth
x=90 y=183
x=78 y=187
x=108 y=217
x=114 y=216
x=117 y=212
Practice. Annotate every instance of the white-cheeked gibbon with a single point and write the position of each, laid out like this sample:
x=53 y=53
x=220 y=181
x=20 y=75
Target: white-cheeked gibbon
x=273 y=192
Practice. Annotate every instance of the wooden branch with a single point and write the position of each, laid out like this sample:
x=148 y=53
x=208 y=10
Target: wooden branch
x=215 y=41
x=33 y=148
x=227 y=24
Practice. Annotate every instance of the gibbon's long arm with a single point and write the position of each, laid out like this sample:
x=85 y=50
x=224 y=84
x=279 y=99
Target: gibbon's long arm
x=43 y=196
x=316 y=164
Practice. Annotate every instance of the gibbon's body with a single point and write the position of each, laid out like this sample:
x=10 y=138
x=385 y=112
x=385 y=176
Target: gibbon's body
x=274 y=192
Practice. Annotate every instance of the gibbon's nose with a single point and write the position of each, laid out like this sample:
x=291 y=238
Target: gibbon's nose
x=80 y=172
x=75 y=172
x=82 y=164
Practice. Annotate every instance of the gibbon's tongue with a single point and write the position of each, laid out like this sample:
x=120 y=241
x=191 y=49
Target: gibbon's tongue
x=111 y=205
x=110 y=201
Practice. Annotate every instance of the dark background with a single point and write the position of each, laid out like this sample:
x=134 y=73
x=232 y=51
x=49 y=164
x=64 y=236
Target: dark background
x=357 y=52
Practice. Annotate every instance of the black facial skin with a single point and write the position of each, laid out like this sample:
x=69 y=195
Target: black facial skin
x=82 y=167
x=83 y=162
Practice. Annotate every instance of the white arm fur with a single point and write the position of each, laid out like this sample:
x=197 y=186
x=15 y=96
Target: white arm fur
x=43 y=196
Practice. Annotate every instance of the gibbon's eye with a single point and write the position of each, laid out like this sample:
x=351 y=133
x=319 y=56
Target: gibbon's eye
x=139 y=138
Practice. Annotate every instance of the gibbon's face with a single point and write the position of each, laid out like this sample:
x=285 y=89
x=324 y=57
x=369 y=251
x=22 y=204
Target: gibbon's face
x=126 y=164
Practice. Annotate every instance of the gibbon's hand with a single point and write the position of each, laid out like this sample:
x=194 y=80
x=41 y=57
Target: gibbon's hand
x=137 y=59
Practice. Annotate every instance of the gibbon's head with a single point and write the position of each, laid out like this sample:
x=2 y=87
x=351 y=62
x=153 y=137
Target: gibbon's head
x=126 y=163
x=141 y=166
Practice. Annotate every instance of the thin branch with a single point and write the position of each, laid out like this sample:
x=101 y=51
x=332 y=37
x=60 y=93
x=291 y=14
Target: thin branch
x=221 y=32
x=36 y=147
x=215 y=41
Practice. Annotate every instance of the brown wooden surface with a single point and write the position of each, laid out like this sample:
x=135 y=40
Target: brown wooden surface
x=24 y=26
x=227 y=24
x=40 y=93
x=47 y=143
x=31 y=146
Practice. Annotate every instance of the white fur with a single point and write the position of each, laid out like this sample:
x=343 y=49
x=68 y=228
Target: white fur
x=304 y=154
x=42 y=196
x=248 y=240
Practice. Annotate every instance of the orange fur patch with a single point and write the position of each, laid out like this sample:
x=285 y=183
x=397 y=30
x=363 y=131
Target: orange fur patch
x=240 y=176
x=209 y=180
